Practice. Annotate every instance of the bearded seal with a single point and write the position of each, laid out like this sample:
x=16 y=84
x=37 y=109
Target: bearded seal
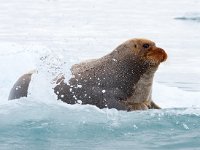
x=121 y=79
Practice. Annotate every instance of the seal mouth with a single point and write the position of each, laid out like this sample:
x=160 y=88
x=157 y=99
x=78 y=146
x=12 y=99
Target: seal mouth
x=156 y=55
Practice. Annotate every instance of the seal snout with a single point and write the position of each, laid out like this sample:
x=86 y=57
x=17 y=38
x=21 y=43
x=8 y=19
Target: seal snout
x=162 y=55
x=157 y=55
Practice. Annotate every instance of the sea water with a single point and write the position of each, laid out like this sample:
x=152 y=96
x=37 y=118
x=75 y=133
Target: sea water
x=51 y=35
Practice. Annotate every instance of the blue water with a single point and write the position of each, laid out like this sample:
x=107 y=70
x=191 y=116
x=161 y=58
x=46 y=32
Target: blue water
x=30 y=125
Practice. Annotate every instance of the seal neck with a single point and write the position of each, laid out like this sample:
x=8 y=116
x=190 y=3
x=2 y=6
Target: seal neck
x=129 y=70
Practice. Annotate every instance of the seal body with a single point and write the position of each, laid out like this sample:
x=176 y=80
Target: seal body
x=122 y=79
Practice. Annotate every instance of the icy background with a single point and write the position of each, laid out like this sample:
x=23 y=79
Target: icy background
x=51 y=35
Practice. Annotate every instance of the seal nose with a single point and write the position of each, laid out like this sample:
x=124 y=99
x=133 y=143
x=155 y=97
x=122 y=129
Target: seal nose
x=164 y=54
x=161 y=53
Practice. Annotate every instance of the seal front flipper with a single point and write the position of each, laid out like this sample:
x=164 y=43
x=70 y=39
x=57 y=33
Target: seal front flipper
x=131 y=106
x=141 y=106
x=154 y=106
x=20 y=88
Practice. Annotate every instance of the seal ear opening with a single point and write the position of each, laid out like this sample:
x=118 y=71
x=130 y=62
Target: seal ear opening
x=20 y=88
x=135 y=45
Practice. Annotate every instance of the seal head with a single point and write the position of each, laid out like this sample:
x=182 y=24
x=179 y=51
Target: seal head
x=146 y=50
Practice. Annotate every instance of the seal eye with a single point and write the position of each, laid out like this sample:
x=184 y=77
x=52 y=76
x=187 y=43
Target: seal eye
x=146 y=45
